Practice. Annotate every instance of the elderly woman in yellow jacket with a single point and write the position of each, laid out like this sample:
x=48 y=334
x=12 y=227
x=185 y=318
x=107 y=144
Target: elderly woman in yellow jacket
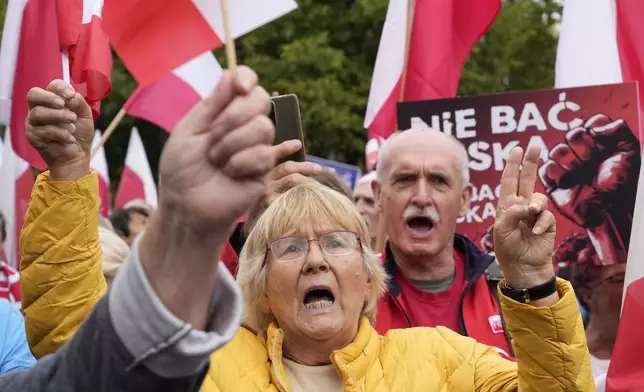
x=310 y=283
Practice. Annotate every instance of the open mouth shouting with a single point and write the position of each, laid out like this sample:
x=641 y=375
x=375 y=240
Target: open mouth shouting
x=419 y=226
x=318 y=297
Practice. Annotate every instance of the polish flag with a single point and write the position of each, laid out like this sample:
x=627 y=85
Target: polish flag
x=153 y=37
x=602 y=42
x=136 y=181
x=90 y=57
x=167 y=100
x=442 y=36
x=16 y=184
x=30 y=57
x=99 y=165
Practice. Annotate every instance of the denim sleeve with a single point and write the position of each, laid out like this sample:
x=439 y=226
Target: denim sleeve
x=16 y=354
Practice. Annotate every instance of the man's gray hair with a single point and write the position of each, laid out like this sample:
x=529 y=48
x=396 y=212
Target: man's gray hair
x=462 y=154
x=367 y=178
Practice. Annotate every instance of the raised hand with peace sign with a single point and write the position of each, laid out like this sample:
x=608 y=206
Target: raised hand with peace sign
x=524 y=231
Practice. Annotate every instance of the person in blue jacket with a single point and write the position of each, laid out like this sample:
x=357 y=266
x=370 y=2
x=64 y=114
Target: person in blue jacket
x=14 y=349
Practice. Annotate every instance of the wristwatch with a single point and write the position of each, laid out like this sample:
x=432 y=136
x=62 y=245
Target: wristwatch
x=532 y=294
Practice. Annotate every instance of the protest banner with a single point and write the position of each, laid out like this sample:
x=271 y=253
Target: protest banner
x=589 y=163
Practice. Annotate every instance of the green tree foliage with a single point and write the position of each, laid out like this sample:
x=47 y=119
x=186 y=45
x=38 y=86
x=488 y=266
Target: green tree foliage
x=325 y=51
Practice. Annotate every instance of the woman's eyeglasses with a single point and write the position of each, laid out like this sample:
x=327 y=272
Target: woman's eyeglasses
x=294 y=248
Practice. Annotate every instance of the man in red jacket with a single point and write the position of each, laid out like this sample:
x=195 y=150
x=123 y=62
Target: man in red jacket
x=437 y=276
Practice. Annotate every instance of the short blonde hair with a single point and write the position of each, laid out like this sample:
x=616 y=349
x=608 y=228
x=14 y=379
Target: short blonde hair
x=115 y=250
x=303 y=203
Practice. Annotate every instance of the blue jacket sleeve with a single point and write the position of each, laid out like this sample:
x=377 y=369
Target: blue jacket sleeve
x=15 y=350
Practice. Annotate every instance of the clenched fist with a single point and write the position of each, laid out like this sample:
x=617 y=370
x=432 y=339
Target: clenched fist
x=524 y=230
x=592 y=180
x=60 y=127
x=214 y=165
x=213 y=168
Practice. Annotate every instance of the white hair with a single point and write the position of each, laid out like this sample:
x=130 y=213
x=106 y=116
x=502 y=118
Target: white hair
x=115 y=250
x=460 y=150
x=367 y=178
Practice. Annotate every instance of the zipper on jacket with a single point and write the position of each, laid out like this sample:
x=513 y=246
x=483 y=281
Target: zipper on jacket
x=353 y=377
x=400 y=307
x=467 y=288
x=277 y=377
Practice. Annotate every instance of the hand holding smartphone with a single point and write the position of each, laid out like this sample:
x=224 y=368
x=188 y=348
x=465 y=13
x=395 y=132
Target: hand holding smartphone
x=285 y=114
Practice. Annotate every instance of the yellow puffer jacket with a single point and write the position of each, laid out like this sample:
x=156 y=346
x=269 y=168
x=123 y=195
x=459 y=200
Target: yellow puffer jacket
x=63 y=280
x=60 y=261
x=552 y=356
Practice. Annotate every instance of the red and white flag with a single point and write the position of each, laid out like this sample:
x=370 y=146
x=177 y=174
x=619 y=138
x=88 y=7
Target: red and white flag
x=167 y=100
x=602 y=42
x=16 y=184
x=442 y=36
x=81 y=36
x=153 y=37
x=136 y=181
x=30 y=56
x=99 y=165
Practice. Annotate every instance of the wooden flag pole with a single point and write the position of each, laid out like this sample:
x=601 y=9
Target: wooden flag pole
x=231 y=55
x=65 y=58
x=110 y=129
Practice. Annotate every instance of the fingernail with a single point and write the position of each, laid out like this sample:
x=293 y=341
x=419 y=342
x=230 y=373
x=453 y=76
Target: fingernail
x=59 y=103
x=294 y=143
x=534 y=206
x=317 y=167
x=69 y=92
x=537 y=230
x=247 y=83
x=71 y=139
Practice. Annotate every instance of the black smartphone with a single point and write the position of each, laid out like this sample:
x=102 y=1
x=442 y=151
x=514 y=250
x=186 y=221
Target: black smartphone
x=285 y=114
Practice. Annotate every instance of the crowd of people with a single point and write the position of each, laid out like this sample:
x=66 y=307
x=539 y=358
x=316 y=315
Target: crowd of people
x=319 y=288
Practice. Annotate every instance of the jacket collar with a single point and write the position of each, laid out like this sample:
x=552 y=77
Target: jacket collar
x=352 y=361
x=476 y=262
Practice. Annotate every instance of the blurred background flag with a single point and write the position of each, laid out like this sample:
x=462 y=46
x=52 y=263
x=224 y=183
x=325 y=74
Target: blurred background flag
x=153 y=37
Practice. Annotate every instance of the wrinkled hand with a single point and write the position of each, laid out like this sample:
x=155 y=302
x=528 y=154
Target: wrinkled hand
x=215 y=164
x=594 y=172
x=60 y=127
x=283 y=177
x=524 y=230
x=288 y=174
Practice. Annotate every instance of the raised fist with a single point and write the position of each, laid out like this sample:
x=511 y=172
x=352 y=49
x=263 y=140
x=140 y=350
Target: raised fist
x=592 y=180
x=214 y=165
x=60 y=127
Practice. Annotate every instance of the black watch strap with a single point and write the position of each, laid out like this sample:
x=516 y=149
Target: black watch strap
x=532 y=294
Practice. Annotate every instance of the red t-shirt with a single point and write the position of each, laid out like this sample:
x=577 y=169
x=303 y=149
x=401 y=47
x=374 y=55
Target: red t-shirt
x=432 y=309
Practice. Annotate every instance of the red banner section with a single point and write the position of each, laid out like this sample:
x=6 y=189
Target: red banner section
x=589 y=164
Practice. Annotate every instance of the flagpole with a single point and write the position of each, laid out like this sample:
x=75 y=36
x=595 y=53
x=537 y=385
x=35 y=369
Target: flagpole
x=110 y=129
x=231 y=55
x=65 y=59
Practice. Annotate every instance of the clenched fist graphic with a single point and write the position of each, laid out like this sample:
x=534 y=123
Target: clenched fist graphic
x=592 y=179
